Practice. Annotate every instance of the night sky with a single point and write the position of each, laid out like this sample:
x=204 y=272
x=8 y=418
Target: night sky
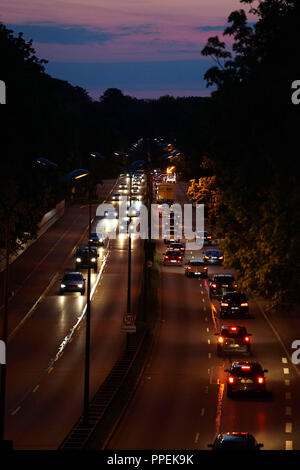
x=147 y=48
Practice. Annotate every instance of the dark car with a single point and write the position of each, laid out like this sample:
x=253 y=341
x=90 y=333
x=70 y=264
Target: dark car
x=204 y=238
x=72 y=282
x=176 y=246
x=82 y=258
x=234 y=304
x=245 y=377
x=170 y=235
x=196 y=267
x=233 y=339
x=235 y=441
x=219 y=282
x=172 y=258
x=97 y=239
x=213 y=257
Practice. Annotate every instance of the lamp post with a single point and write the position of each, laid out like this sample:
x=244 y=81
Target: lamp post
x=129 y=264
x=86 y=388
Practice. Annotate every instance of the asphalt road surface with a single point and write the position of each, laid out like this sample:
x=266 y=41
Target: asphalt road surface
x=181 y=400
x=46 y=352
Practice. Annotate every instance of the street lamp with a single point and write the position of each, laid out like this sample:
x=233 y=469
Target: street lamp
x=86 y=390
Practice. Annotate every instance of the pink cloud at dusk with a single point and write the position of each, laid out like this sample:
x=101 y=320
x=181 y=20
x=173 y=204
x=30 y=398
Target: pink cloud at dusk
x=103 y=32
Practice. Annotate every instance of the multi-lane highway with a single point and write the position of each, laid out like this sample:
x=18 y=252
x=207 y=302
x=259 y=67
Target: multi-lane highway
x=181 y=401
x=46 y=351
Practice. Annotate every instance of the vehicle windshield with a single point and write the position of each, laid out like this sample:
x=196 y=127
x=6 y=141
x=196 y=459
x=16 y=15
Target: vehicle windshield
x=72 y=277
x=233 y=334
x=234 y=297
x=235 y=445
x=213 y=253
x=197 y=263
x=223 y=279
x=247 y=371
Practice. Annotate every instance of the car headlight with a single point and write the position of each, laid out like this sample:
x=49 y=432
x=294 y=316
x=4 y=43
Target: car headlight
x=100 y=240
x=80 y=285
x=63 y=286
x=78 y=260
x=93 y=260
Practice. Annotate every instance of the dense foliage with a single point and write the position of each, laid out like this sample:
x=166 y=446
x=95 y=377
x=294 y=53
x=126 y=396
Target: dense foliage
x=253 y=144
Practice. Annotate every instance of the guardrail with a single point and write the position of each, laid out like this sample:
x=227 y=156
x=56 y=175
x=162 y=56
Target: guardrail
x=81 y=433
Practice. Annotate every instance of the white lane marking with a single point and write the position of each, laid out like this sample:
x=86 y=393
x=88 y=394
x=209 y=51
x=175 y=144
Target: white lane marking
x=16 y=411
x=288 y=395
x=203 y=300
x=202 y=411
x=288 y=427
x=277 y=336
x=287 y=382
x=208 y=341
x=205 y=319
x=206 y=389
x=288 y=445
x=35 y=389
x=204 y=308
x=209 y=355
x=50 y=370
x=208 y=370
x=284 y=360
x=288 y=410
x=196 y=438
x=207 y=329
x=286 y=370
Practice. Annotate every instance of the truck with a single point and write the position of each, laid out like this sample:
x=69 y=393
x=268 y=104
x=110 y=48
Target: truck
x=165 y=192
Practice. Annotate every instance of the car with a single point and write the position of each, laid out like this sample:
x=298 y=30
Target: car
x=196 y=267
x=176 y=246
x=116 y=196
x=204 y=238
x=245 y=377
x=82 y=258
x=97 y=239
x=233 y=339
x=172 y=258
x=72 y=282
x=235 y=441
x=122 y=186
x=213 y=256
x=111 y=213
x=169 y=236
x=234 y=304
x=125 y=227
x=219 y=282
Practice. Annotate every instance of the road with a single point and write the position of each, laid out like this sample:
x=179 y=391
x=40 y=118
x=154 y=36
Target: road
x=181 y=400
x=46 y=353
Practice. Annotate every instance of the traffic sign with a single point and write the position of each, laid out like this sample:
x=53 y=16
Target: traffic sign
x=128 y=325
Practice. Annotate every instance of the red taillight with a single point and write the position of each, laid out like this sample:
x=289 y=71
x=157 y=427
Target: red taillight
x=189 y=268
x=260 y=380
x=179 y=257
x=233 y=328
x=166 y=257
x=182 y=248
x=245 y=304
x=246 y=367
x=214 y=285
x=224 y=304
x=230 y=379
x=220 y=339
x=209 y=237
x=247 y=339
